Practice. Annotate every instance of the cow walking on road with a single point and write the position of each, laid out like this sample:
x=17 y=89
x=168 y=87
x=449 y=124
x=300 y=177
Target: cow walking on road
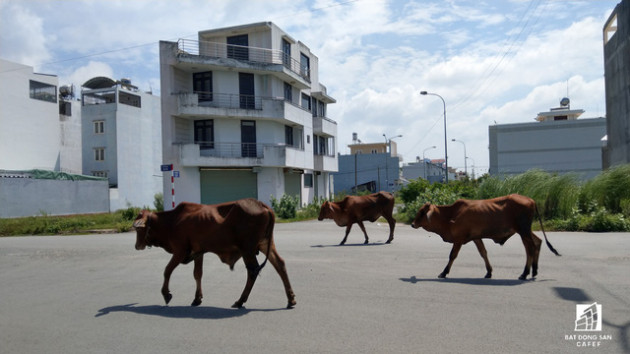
x=497 y=219
x=356 y=209
x=231 y=230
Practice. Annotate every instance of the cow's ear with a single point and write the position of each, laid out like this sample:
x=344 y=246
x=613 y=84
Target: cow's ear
x=140 y=222
x=331 y=208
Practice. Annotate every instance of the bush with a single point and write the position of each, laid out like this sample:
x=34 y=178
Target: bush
x=286 y=208
x=158 y=201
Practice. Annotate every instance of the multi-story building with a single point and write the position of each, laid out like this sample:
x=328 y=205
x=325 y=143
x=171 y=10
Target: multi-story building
x=558 y=143
x=244 y=115
x=121 y=140
x=617 y=77
x=370 y=167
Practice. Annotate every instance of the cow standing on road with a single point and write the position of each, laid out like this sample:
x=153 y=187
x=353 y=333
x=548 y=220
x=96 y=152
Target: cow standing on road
x=356 y=209
x=231 y=230
x=497 y=219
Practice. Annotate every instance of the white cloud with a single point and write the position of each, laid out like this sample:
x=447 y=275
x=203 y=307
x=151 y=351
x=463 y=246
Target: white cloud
x=22 y=35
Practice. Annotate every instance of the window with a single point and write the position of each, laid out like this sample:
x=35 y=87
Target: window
x=238 y=47
x=204 y=134
x=43 y=92
x=99 y=174
x=202 y=86
x=99 y=154
x=286 y=53
x=65 y=108
x=99 y=127
x=305 y=66
x=288 y=135
x=308 y=180
x=129 y=99
x=288 y=92
x=306 y=102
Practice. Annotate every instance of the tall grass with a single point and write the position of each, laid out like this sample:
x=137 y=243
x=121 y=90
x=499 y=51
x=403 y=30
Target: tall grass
x=556 y=195
x=611 y=190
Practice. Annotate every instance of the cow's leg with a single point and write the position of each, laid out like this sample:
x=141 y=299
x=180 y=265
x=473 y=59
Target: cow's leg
x=198 y=272
x=175 y=260
x=451 y=259
x=484 y=254
x=529 y=251
x=537 y=245
x=348 y=228
x=364 y=232
x=392 y=224
x=252 y=272
x=279 y=265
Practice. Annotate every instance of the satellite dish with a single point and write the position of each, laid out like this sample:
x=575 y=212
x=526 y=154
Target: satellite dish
x=565 y=102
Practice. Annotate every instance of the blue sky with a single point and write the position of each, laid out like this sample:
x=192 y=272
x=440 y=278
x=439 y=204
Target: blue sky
x=492 y=61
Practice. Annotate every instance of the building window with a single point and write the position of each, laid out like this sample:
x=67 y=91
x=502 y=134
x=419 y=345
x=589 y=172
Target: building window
x=305 y=66
x=286 y=53
x=129 y=99
x=65 y=108
x=288 y=135
x=204 y=134
x=43 y=92
x=288 y=92
x=99 y=127
x=238 y=47
x=99 y=154
x=306 y=102
x=202 y=86
x=308 y=180
x=99 y=174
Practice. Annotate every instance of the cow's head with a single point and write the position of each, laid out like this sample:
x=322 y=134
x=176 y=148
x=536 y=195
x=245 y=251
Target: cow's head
x=423 y=217
x=141 y=224
x=326 y=211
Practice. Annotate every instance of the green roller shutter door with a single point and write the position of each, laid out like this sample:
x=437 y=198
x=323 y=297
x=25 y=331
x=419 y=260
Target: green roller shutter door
x=218 y=186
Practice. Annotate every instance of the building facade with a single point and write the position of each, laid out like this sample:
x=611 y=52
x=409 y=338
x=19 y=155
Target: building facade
x=244 y=115
x=617 y=77
x=431 y=170
x=121 y=140
x=558 y=143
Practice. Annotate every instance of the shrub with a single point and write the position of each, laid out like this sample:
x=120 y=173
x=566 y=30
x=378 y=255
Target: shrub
x=158 y=201
x=286 y=208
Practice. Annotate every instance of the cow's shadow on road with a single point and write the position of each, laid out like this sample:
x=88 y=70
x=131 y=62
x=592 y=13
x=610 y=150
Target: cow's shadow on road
x=352 y=245
x=201 y=312
x=470 y=281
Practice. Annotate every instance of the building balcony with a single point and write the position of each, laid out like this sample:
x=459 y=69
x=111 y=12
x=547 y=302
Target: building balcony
x=326 y=163
x=211 y=104
x=324 y=126
x=222 y=56
x=239 y=154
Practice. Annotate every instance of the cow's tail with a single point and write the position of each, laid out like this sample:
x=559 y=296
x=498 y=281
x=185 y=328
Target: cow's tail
x=269 y=236
x=543 y=231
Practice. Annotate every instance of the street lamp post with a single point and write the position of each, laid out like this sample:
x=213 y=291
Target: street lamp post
x=388 y=142
x=424 y=93
x=465 y=157
x=424 y=164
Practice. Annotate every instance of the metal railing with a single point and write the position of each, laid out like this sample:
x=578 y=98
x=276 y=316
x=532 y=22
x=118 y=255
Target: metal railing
x=242 y=53
x=238 y=150
x=225 y=100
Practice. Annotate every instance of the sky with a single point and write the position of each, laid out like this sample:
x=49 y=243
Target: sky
x=491 y=61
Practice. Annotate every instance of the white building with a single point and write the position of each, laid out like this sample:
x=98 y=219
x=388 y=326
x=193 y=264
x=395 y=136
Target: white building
x=122 y=140
x=244 y=115
x=32 y=127
x=558 y=143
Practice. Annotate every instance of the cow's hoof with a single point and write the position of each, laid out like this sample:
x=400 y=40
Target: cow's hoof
x=389 y=241
x=196 y=302
x=522 y=277
x=237 y=305
x=366 y=242
x=488 y=276
x=342 y=243
x=291 y=304
x=167 y=297
x=442 y=275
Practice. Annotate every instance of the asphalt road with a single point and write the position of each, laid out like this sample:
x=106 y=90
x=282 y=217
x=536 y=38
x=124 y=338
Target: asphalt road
x=97 y=294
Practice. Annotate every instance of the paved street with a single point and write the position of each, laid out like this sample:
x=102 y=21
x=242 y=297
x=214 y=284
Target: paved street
x=97 y=294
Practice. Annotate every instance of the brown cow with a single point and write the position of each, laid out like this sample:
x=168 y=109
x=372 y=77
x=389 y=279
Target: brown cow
x=231 y=230
x=356 y=209
x=472 y=220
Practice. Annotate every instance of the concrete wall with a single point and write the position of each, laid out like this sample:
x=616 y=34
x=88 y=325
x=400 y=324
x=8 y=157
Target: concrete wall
x=369 y=167
x=20 y=197
x=617 y=77
x=555 y=146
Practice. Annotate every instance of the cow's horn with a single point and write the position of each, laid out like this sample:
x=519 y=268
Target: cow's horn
x=139 y=223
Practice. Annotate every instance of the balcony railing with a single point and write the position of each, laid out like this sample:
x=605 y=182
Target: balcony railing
x=238 y=150
x=225 y=100
x=243 y=53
